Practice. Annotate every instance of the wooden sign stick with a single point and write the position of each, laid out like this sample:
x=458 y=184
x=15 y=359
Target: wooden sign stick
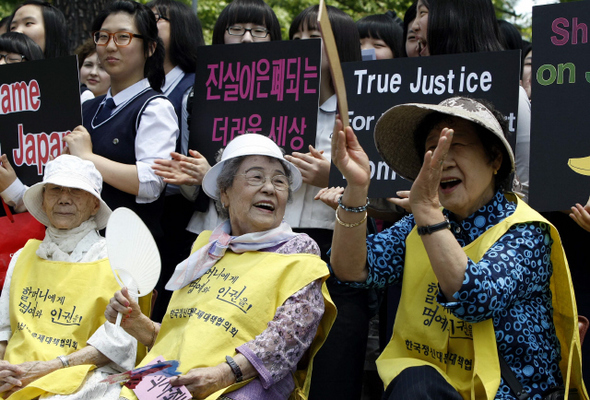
x=334 y=59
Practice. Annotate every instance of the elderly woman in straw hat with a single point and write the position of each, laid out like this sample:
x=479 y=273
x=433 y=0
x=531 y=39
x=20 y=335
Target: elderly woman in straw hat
x=483 y=278
x=53 y=333
x=250 y=302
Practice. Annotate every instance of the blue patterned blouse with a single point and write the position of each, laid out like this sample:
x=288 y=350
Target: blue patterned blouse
x=510 y=284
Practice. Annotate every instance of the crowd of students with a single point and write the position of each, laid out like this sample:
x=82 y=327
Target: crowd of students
x=137 y=75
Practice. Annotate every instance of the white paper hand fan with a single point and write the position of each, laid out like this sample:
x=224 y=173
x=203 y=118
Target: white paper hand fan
x=133 y=253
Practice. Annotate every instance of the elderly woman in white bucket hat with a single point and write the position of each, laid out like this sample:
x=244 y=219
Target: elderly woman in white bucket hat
x=250 y=302
x=484 y=278
x=53 y=333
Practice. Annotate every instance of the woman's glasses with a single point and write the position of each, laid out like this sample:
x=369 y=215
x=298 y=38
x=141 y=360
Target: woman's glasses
x=12 y=58
x=257 y=178
x=121 y=38
x=237 y=30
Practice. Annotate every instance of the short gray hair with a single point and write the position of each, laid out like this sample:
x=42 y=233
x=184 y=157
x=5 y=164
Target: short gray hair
x=229 y=171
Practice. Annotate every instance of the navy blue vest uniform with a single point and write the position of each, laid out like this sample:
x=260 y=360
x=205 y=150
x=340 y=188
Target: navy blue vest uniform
x=175 y=97
x=115 y=139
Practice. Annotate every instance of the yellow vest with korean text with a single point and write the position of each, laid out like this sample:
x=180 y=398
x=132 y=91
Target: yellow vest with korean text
x=55 y=307
x=231 y=304
x=465 y=354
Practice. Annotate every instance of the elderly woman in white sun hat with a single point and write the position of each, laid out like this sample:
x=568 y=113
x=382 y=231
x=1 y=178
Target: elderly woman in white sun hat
x=484 y=277
x=53 y=333
x=250 y=302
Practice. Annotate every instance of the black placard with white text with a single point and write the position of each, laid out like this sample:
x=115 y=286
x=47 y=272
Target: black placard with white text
x=373 y=87
x=39 y=105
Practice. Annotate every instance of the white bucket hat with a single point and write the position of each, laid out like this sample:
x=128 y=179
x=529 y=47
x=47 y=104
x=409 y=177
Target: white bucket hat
x=395 y=131
x=248 y=144
x=72 y=172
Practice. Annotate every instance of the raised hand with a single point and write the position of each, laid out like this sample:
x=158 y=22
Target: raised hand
x=314 y=167
x=182 y=170
x=424 y=192
x=7 y=174
x=329 y=196
x=349 y=157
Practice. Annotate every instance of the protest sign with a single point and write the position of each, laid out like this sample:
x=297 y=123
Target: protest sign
x=373 y=87
x=39 y=105
x=269 y=88
x=560 y=148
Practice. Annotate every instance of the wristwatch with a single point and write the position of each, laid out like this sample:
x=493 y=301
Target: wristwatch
x=428 y=229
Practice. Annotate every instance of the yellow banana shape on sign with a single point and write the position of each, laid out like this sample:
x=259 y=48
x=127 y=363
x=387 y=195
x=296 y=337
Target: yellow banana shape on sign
x=580 y=165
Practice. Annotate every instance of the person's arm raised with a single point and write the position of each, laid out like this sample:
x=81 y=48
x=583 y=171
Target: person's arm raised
x=447 y=258
x=349 y=249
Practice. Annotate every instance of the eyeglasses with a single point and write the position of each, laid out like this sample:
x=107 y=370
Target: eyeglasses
x=12 y=58
x=237 y=30
x=121 y=38
x=257 y=178
x=160 y=16
x=55 y=191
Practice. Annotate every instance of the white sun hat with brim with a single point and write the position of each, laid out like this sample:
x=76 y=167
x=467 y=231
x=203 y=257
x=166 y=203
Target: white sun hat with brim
x=396 y=130
x=72 y=172
x=248 y=144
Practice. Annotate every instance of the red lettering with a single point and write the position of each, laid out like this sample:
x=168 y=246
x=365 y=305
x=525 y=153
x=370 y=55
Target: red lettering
x=560 y=31
x=35 y=93
x=579 y=27
x=5 y=94
x=36 y=148
x=17 y=154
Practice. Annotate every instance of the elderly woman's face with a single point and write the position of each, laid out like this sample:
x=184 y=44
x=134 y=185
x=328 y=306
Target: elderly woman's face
x=256 y=208
x=66 y=207
x=467 y=181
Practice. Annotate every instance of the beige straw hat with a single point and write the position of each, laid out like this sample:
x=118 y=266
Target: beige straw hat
x=395 y=131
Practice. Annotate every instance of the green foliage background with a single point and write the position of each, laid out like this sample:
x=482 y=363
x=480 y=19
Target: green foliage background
x=286 y=10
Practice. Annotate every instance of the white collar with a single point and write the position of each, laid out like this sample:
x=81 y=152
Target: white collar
x=329 y=106
x=128 y=93
x=172 y=79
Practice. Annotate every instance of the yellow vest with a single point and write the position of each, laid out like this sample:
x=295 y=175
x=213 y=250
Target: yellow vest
x=466 y=354
x=55 y=307
x=231 y=304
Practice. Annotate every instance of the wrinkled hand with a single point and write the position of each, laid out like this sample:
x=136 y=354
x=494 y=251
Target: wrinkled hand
x=403 y=200
x=424 y=191
x=30 y=371
x=330 y=196
x=9 y=376
x=79 y=143
x=581 y=214
x=349 y=157
x=123 y=303
x=7 y=174
x=201 y=382
x=182 y=170
x=314 y=167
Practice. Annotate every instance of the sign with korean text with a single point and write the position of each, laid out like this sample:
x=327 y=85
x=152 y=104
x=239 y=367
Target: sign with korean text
x=268 y=88
x=39 y=105
x=373 y=87
x=560 y=144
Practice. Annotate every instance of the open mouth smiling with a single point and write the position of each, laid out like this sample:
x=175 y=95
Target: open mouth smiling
x=450 y=183
x=265 y=206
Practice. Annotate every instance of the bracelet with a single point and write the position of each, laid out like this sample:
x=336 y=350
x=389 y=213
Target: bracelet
x=427 y=230
x=352 y=209
x=347 y=225
x=64 y=361
x=235 y=368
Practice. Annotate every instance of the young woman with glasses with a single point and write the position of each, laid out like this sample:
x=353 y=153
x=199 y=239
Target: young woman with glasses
x=134 y=123
x=16 y=48
x=246 y=21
